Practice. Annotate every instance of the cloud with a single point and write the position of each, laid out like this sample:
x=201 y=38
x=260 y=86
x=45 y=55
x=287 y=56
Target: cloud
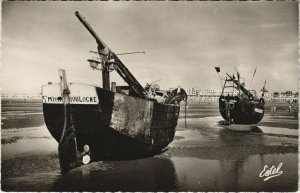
x=183 y=41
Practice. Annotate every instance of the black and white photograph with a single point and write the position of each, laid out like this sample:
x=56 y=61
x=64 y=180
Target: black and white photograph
x=149 y=96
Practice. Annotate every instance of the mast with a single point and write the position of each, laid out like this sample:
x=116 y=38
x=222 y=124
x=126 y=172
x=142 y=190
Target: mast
x=248 y=93
x=109 y=59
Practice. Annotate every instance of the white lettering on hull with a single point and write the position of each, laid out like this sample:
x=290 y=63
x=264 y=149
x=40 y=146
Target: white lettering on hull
x=73 y=100
x=79 y=94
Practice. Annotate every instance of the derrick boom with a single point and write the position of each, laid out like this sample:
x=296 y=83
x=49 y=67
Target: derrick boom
x=107 y=55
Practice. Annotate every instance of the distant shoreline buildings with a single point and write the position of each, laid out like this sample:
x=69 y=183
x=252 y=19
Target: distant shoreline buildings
x=210 y=95
x=20 y=97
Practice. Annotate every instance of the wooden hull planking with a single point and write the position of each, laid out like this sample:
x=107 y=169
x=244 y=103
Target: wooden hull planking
x=113 y=124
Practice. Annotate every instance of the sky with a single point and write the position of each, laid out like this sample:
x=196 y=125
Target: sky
x=183 y=42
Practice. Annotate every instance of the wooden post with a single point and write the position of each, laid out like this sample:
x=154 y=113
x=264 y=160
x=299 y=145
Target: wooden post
x=105 y=77
x=103 y=53
x=63 y=85
x=185 y=104
x=67 y=147
x=113 y=86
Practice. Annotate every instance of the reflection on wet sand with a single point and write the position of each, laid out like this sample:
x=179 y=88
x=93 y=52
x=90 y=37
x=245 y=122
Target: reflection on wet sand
x=293 y=133
x=206 y=156
x=152 y=174
x=231 y=159
x=21 y=120
x=235 y=165
x=235 y=175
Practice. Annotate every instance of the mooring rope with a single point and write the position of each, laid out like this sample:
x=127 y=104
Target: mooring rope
x=185 y=113
x=228 y=107
x=227 y=111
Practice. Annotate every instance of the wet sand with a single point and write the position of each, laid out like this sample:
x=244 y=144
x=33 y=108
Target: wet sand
x=208 y=155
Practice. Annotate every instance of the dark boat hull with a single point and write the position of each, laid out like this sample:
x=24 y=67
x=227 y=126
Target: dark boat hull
x=241 y=110
x=114 y=125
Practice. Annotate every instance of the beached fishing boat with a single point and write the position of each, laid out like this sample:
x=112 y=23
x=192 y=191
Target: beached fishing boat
x=238 y=105
x=113 y=122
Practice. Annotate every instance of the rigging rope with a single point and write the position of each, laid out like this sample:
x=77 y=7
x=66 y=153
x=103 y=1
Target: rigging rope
x=229 y=106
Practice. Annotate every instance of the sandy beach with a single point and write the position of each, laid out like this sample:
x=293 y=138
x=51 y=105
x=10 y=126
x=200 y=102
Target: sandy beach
x=207 y=155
